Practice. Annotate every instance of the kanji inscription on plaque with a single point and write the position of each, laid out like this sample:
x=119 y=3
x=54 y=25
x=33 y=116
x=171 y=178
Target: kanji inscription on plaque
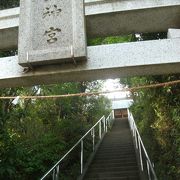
x=51 y=10
x=51 y=31
x=51 y=34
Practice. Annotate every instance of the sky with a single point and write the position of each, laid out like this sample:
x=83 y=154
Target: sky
x=114 y=84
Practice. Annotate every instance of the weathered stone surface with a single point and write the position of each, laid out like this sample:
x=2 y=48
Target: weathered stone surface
x=158 y=16
x=173 y=33
x=51 y=31
x=9 y=22
x=104 y=62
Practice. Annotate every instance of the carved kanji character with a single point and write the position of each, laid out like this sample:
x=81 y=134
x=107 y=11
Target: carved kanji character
x=51 y=34
x=51 y=10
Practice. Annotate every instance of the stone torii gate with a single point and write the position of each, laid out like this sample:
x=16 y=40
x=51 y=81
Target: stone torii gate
x=44 y=48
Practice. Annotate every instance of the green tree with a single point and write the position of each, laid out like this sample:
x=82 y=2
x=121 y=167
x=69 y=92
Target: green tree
x=36 y=133
x=158 y=116
x=4 y=4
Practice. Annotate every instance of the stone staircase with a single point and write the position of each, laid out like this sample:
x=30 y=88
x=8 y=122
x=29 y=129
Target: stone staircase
x=115 y=158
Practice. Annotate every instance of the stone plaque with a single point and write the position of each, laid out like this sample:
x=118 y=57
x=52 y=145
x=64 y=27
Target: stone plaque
x=51 y=31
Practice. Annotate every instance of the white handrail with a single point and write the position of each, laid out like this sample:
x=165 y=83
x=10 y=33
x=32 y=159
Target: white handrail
x=139 y=144
x=106 y=122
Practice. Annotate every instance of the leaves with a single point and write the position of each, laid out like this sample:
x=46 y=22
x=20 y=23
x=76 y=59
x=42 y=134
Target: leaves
x=158 y=118
x=38 y=133
x=8 y=4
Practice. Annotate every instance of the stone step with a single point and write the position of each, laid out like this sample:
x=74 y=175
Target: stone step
x=115 y=149
x=114 y=164
x=125 y=140
x=116 y=158
x=125 y=159
x=116 y=145
x=115 y=153
x=113 y=168
x=113 y=174
x=115 y=178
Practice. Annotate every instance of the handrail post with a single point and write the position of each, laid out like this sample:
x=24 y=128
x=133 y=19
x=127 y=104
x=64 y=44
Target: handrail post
x=93 y=140
x=133 y=129
x=140 y=154
x=110 y=122
x=136 y=140
x=148 y=170
x=112 y=114
x=100 y=130
x=82 y=156
x=57 y=173
x=104 y=124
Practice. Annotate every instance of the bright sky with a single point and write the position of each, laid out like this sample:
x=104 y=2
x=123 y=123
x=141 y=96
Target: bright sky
x=114 y=84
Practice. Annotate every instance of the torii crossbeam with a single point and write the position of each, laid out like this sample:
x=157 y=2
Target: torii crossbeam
x=104 y=18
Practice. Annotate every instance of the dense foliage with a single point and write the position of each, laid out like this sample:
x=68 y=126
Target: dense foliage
x=158 y=116
x=34 y=134
x=4 y=4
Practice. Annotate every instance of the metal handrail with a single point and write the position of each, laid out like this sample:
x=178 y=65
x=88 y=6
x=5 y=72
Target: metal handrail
x=107 y=123
x=141 y=148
